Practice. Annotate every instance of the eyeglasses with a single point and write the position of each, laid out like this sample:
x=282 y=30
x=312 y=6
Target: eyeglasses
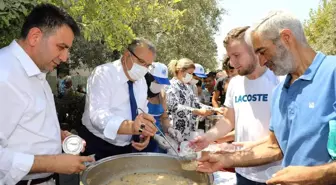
x=141 y=61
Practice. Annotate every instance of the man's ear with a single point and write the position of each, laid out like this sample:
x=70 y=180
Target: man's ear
x=287 y=38
x=34 y=36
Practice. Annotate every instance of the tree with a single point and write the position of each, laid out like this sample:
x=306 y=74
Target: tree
x=112 y=20
x=320 y=27
x=179 y=28
x=12 y=14
x=194 y=39
x=89 y=54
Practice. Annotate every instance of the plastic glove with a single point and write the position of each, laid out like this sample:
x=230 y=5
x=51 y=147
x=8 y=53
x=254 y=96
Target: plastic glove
x=163 y=144
x=175 y=134
x=174 y=144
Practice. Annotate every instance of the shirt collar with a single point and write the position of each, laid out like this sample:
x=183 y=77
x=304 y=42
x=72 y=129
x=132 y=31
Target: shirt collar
x=27 y=63
x=312 y=69
x=120 y=70
x=310 y=72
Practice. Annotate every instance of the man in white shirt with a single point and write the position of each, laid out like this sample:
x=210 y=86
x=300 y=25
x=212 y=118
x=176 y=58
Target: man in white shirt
x=248 y=103
x=115 y=94
x=30 y=135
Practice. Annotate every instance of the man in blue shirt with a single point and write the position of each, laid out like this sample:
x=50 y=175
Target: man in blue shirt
x=302 y=106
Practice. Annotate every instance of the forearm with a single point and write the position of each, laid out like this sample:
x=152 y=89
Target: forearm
x=261 y=154
x=219 y=130
x=43 y=164
x=126 y=128
x=227 y=138
x=328 y=173
x=202 y=112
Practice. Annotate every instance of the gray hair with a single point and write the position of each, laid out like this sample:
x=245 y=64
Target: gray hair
x=141 y=42
x=271 y=26
x=248 y=37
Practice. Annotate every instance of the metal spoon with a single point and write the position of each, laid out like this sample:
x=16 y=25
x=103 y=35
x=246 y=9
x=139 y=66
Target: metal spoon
x=188 y=157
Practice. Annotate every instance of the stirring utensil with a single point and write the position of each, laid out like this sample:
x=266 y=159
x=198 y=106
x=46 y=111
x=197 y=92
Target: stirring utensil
x=188 y=157
x=162 y=135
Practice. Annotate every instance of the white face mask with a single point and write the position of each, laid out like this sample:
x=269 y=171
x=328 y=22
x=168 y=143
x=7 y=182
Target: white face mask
x=188 y=77
x=193 y=82
x=155 y=87
x=137 y=71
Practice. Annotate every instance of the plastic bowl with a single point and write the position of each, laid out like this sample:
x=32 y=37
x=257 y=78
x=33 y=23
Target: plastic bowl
x=272 y=170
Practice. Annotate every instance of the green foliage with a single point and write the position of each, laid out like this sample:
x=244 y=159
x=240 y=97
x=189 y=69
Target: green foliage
x=194 y=38
x=320 y=28
x=112 y=20
x=90 y=54
x=179 y=28
x=12 y=13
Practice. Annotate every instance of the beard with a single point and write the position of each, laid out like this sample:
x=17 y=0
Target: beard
x=283 y=61
x=252 y=65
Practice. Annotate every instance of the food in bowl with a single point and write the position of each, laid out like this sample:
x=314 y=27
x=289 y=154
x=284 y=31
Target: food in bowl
x=152 y=179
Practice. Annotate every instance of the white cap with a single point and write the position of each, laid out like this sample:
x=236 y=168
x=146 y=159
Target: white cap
x=199 y=71
x=160 y=73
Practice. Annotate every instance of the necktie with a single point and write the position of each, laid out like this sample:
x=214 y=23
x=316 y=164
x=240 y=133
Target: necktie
x=134 y=106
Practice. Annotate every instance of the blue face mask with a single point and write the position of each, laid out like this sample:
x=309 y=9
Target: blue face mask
x=203 y=86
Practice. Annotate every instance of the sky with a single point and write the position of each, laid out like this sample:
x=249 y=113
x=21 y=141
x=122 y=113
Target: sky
x=247 y=12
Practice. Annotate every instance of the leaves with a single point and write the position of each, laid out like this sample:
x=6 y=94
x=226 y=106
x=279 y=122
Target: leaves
x=178 y=28
x=12 y=14
x=2 y=5
x=320 y=27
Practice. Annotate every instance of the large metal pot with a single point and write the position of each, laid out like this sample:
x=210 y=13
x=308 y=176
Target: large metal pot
x=105 y=170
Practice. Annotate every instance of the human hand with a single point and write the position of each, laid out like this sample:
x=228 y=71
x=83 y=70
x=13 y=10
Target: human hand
x=65 y=134
x=163 y=144
x=299 y=175
x=212 y=162
x=175 y=134
x=174 y=144
x=141 y=145
x=219 y=110
x=144 y=124
x=200 y=142
x=70 y=164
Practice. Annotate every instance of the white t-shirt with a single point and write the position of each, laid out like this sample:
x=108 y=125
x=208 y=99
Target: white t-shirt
x=251 y=101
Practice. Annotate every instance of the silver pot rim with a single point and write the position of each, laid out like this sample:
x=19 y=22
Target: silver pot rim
x=94 y=164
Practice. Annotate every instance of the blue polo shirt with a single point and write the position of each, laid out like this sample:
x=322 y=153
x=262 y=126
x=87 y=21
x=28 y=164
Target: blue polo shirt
x=301 y=112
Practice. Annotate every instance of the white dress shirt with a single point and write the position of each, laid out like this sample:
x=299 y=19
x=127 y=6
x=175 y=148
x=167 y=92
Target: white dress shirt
x=28 y=120
x=107 y=102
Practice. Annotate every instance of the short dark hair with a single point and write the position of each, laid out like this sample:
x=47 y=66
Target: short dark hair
x=211 y=74
x=48 y=17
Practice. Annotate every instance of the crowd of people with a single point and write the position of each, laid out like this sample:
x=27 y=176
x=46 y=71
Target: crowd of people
x=265 y=93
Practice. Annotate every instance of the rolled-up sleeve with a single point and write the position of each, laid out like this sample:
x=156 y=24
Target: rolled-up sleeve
x=100 y=89
x=13 y=165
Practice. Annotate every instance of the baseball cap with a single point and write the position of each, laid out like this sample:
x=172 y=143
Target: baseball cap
x=199 y=71
x=160 y=73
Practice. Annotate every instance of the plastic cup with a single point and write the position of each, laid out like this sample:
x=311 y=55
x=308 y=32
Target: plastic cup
x=200 y=132
x=193 y=135
x=184 y=147
x=272 y=170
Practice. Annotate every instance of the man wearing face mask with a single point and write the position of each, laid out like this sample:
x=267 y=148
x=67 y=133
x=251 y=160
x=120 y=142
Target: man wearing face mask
x=115 y=101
